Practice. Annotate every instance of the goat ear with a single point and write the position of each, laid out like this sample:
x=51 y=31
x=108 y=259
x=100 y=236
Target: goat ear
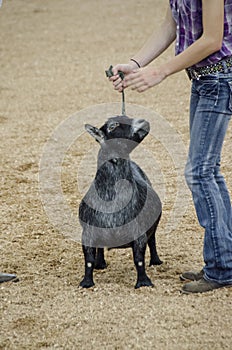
x=95 y=132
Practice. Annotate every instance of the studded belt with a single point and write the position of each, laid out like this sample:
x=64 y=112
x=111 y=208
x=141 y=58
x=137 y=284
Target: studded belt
x=221 y=66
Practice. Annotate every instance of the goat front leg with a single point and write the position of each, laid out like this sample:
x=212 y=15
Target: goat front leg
x=139 y=249
x=89 y=254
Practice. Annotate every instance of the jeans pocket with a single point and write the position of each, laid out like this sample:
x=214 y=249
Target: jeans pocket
x=208 y=87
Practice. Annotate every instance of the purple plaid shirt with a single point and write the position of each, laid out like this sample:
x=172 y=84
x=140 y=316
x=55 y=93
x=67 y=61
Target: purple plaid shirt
x=188 y=17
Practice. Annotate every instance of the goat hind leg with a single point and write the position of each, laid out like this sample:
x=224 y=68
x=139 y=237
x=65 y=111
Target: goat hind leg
x=154 y=259
x=139 y=249
x=100 y=263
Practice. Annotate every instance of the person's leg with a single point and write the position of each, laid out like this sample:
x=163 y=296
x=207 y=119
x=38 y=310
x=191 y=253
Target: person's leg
x=209 y=120
x=192 y=275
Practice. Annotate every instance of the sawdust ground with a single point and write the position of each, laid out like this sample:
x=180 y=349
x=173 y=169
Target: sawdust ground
x=52 y=60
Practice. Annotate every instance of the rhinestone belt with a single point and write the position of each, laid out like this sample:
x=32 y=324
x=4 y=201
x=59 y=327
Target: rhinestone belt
x=196 y=73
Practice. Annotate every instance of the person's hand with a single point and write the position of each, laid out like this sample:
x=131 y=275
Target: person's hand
x=116 y=79
x=143 y=78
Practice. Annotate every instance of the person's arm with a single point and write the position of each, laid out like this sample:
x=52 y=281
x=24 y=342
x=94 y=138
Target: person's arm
x=158 y=42
x=208 y=43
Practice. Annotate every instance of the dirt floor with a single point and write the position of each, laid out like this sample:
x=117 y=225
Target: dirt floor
x=52 y=60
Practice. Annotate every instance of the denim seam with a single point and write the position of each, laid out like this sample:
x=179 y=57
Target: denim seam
x=211 y=224
x=206 y=193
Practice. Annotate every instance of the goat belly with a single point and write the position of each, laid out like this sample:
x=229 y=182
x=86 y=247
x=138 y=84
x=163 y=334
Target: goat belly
x=110 y=224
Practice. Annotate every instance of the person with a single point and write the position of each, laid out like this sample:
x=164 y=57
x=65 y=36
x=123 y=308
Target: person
x=202 y=33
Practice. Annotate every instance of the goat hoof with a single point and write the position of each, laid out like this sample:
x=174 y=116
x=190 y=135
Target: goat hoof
x=100 y=266
x=86 y=283
x=144 y=283
x=155 y=262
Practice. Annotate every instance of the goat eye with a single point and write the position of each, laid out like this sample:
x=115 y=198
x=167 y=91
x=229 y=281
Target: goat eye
x=113 y=126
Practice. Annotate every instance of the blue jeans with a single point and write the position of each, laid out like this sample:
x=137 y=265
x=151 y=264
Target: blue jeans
x=210 y=112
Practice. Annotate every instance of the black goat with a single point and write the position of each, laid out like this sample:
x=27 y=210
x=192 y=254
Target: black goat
x=120 y=209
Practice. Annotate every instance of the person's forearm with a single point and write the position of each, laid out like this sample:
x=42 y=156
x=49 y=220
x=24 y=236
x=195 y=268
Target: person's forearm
x=158 y=42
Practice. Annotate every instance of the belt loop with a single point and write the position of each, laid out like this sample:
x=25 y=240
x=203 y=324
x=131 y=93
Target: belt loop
x=225 y=68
